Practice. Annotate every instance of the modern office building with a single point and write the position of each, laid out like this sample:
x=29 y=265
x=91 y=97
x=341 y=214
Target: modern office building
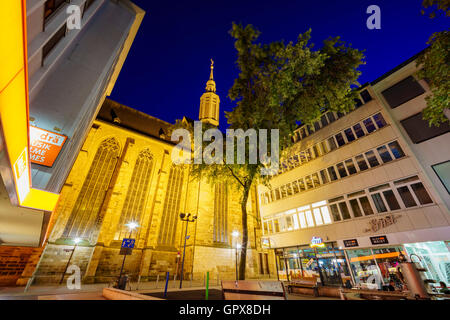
x=68 y=72
x=124 y=173
x=357 y=189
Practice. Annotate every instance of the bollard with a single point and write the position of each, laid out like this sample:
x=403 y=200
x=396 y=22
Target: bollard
x=167 y=283
x=207 y=285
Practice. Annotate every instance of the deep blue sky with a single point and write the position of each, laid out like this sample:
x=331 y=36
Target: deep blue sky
x=168 y=65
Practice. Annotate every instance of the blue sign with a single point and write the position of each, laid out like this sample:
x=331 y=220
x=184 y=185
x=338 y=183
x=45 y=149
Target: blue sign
x=128 y=243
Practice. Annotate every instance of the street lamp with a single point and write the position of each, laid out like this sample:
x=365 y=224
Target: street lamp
x=132 y=226
x=235 y=234
x=185 y=217
x=76 y=241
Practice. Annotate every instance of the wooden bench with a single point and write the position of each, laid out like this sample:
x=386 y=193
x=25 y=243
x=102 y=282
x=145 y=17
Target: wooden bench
x=253 y=290
x=358 y=294
x=307 y=283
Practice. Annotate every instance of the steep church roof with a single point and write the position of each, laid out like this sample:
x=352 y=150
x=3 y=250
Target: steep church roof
x=132 y=119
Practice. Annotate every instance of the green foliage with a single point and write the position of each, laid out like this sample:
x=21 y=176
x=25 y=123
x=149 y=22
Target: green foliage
x=436 y=6
x=435 y=63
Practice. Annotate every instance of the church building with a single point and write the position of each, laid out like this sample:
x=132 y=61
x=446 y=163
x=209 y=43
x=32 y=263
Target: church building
x=124 y=173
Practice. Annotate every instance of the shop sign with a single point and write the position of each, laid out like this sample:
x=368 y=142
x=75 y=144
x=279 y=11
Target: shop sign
x=45 y=146
x=379 y=240
x=375 y=225
x=317 y=242
x=351 y=243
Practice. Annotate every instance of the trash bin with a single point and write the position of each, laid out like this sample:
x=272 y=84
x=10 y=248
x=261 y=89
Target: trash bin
x=122 y=282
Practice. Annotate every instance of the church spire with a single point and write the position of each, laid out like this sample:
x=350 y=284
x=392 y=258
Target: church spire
x=210 y=101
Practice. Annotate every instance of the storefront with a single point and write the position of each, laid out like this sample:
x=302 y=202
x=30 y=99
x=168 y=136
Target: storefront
x=325 y=263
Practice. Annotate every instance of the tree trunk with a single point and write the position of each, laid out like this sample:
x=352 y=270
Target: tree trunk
x=243 y=260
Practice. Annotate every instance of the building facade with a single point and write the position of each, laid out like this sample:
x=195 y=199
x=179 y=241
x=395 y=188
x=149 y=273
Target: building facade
x=69 y=73
x=357 y=189
x=124 y=173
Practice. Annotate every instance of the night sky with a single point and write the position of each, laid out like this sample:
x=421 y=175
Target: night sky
x=168 y=65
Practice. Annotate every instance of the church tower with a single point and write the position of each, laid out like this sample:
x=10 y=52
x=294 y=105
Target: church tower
x=210 y=101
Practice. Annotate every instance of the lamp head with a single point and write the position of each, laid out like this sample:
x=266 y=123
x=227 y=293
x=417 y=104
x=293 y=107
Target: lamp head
x=132 y=225
x=235 y=233
x=182 y=215
x=77 y=240
x=238 y=246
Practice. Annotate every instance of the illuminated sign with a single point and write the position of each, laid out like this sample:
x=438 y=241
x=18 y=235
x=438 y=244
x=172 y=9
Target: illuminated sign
x=351 y=243
x=379 y=240
x=317 y=243
x=14 y=128
x=45 y=146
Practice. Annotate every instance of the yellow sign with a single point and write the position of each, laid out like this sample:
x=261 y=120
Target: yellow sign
x=14 y=161
x=317 y=243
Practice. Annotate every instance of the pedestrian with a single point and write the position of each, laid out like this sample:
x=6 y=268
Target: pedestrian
x=444 y=288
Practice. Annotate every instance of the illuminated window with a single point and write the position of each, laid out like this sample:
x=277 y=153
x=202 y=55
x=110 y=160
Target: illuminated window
x=85 y=219
x=171 y=208
x=134 y=205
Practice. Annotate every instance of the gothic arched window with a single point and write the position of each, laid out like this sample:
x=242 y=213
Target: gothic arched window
x=84 y=218
x=134 y=205
x=171 y=207
x=220 y=213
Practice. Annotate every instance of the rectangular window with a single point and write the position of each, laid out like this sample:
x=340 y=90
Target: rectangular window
x=370 y=127
x=323 y=120
x=365 y=204
x=335 y=212
x=341 y=169
x=442 y=170
x=316 y=126
x=276 y=225
x=344 y=210
x=324 y=176
x=277 y=194
x=308 y=154
x=283 y=192
x=309 y=129
x=289 y=223
x=396 y=150
x=303 y=133
x=379 y=120
x=301 y=184
x=340 y=114
x=402 y=92
x=332 y=144
x=295 y=187
x=51 y=44
x=358 y=130
x=340 y=139
x=419 y=131
x=325 y=214
x=349 y=134
x=325 y=150
x=421 y=193
x=331 y=117
x=332 y=172
x=365 y=95
x=384 y=154
x=289 y=189
x=296 y=225
x=269 y=224
x=362 y=164
x=316 y=180
x=391 y=200
x=50 y=7
x=379 y=203
x=302 y=220
x=355 y=208
x=309 y=218
x=373 y=161
x=309 y=183
x=318 y=217
x=350 y=166
x=316 y=151
x=407 y=197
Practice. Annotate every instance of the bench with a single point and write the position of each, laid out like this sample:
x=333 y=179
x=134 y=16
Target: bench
x=253 y=290
x=306 y=283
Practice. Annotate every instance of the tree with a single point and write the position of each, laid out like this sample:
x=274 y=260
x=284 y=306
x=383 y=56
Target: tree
x=436 y=5
x=278 y=86
x=435 y=66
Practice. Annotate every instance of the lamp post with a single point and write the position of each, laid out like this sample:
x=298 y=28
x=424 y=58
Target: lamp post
x=235 y=235
x=185 y=217
x=131 y=226
x=76 y=241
